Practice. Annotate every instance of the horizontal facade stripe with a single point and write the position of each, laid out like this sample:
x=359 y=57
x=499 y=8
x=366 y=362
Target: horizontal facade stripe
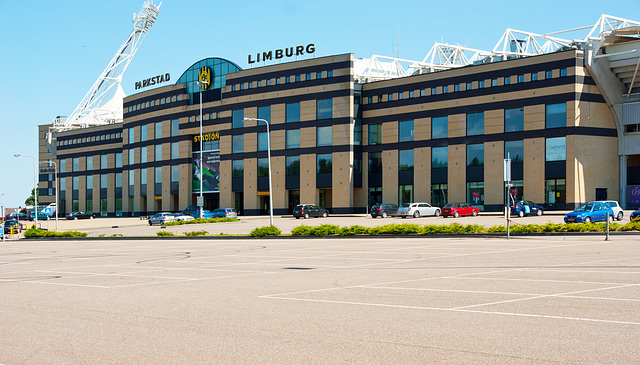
x=126 y=168
x=150 y=98
x=284 y=87
x=155 y=108
x=290 y=72
x=153 y=142
x=89 y=144
x=89 y=153
x=287 y=126
x=285 y=152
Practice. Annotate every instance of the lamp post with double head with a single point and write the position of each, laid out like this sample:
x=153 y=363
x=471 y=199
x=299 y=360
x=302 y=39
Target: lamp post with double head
x=202 y=85
x=55 y=178
x=269 y=161
x=35 y=187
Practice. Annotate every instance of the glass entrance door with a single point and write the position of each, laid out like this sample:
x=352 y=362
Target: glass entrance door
x=556 y=194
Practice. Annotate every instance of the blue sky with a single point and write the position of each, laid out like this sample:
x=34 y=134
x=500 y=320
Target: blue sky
x=53 y=51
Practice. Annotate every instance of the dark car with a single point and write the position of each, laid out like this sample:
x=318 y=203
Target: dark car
x=526 y=207
x=18 y=216
x=41 y=216
x=635 y=216
x=224 y=213
x=11 y=223
x=79 y=215
x=458 y=209
x=309 y=210
x=384 y=210
x=190 y=209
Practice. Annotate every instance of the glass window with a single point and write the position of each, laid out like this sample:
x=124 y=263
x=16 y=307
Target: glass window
x=475 y=124
x=475 y=193
x=514 y=120
x=75 y=183
x=514 y=150
x=439 y=127
x=118 y=180
x=143 y=154
x=293 y=112
x=534 y=76
x=237 y=169
x=287 y=79
x=293 y=165
x=439 y=157
x=475 y=154
x=132 y=177
x=445 y=89
x=400 y=95
x=405 y=160
x=119 y=160
x=264 y=112
x=412 y=94
x=158 y=152
x=556 y=115
x=89 y=163
x=556 y=149
x=548 y=74
x=131 y=135
x=89 y=183
x=481 y=84
x=63 y=165
x=75 y=164
x=63 y=184
x=563 y=72
x=507 y=80
x=158 y=132
x=324 y=109
x=307 y=77
x=143 y=176
x=324 y=136
x=103 y=161
x=494 y=82
x=131 y=157
x=318 y=75
x=456 y=87
x=405 y=131
x=237 y=118
x=262 y=141
x=423 y=92
x=143 y=133
x=158 y=177
x=390 y=97
x=293 y=138
x=375 y=134
x=434 y=90
x=175 y=150
x=238 y=143
x=469 y=86
x=405 y=194
x=330 y=73
x=175 y=173
x=297 y=78
x=103 y=181
x=520 y=78
x=263 y=167
x=175 y=127
x=357 y=132
x=324 y=163
x=375 y=162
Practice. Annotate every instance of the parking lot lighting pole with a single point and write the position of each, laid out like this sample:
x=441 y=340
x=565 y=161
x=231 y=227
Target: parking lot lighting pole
x=55 y=177
x=4 y=221
x=201 y=84
x=269 y=160
x=35 y=186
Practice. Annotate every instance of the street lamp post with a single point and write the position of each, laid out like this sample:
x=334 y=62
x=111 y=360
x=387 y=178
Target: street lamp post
x=4 y=221
x=269 y=161
x=201 y=200
x=55 y=177
x=35 y=186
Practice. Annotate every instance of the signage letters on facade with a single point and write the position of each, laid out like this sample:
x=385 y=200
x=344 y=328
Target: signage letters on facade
x=153 y=80
x=281 y=53
x=213 y=136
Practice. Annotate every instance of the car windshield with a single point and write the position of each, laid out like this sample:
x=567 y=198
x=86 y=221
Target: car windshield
x=405 y=205
x=584 y=208
x=450 y=205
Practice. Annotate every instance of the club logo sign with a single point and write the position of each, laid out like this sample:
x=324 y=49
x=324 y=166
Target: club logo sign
x=204 y=76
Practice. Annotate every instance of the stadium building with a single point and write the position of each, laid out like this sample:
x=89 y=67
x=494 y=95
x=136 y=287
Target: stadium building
x=346 y=133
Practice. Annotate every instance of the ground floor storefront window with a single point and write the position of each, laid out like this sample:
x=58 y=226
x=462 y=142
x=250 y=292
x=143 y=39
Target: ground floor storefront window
x=556 y=193
x=439 y=195
x=475 y=194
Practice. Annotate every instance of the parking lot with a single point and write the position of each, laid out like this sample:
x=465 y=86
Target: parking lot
x=371 y=300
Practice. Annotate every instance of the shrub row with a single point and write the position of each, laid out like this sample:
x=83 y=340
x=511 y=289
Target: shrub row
x=200 y=220
x=34 y=232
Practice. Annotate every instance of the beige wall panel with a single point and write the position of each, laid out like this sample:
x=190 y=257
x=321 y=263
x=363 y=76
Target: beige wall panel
x=534 y=117
x=493 y=172
x=422 y=129
x=595 y=115
x=342 y=134
x=595 y=168
x=226 y=194
x=390 y=133
x=308 y=179
x=390 y=176
x=343 y=107
x=251 y=142
x=341 y=180
x=167 y=201
x=278 y=140
x=307 y=137
x=494 y=122
x=457 y=173
x=278 y=182
x=534 y=170
x=457 y=125
x=278 y=113
x=225 y=145
x=307 y=110
x=111 y=192
x=251 y=200
x=422 y=174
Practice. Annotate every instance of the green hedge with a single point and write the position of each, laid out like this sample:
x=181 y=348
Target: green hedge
x=201 y=220
x=265 y=231
x=34 y=232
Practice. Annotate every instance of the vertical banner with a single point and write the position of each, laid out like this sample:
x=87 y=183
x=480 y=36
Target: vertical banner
x=634 y=195
x=210 y=171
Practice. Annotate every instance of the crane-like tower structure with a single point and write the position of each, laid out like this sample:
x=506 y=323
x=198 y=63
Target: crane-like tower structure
x=103 y=102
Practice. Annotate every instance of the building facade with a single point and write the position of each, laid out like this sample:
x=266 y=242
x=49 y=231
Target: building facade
x=436 y=137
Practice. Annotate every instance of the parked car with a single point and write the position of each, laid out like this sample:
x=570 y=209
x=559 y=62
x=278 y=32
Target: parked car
x=383 y=210
x=41 y=216
x=205 y=214
x=161 y=218
x=309 y=210
x=79 y=215
x=11 y=223
x=635 y=215
x=18 y=216
x=618 y=213
x=182 y=217
x=190 y=209
x=526 y=207
x=225 y=213
x=590 y=212
x=457 y=209
x=416 y=210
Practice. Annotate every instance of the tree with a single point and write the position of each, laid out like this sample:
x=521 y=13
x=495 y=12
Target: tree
x=31 y=200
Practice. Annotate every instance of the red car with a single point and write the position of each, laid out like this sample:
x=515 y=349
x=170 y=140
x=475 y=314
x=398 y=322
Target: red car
x=458 y=209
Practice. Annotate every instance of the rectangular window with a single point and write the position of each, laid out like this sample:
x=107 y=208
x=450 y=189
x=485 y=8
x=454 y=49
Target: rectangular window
x=423 y=92
x=405 y=194
x=456 y=87
x=89 y=163
x=158 y=177
x=412 y=94
x=63 y=165
x=475 y=193
x=75 y=183
x=534 y=76
x=469 y=86
x=237 y=169
x=514 y=120
x=264 y=112
x=563 y=72
x=434 y=90
x=520 y=79
x=390 y=97
x=175 y=173
x=330 y=73
x=143 y=133
x=119 y=160
x=263 y=167
x=375 y=162
x=400 y=95
x=548 y=74
x=293 y=138
x=324 y=163
x=143 y=154
x=132 y=178
x=89 y=184
x=445 y=89
x=405 y=131
x=556 y=115
x=118 y=179
x=475 y=154
x=375 y=134
x=103 y=161
x=175 y=150
x=307 y=77
x=481 y=84
x=158 y=152
x=262 y=141
x=131 y=157
x=357 y=132
x=494 y=82
x=158 y=132
x=514 y=150
x=297 y=78
x=439 y=127
x=143 y=176
x=238 y=143
x=475 y=124
x=318 y=75
x=75 y=164
x=324 y=109
x=131 y=135
x=287 y=79
x=103 y=181
x=237 y=118
x=292 y=112
x=324 y=136
x=293 y=165
x=556 y=149
x=405 y=160
x=175 y=127
x=507 y=80
x=439 y=157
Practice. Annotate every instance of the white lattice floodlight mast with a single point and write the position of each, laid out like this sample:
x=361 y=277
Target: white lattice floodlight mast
x=103 y=103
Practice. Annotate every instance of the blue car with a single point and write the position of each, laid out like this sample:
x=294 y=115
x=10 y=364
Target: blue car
x=205 y=214
x=590 y=212
x=526 y=207
x=635 y=215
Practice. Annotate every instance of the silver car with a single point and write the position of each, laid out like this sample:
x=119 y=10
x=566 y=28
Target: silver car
x=416 y=210
x=161 y=218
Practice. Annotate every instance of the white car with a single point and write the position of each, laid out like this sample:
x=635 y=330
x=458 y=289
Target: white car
x=617 y=210
x=416 y=210
x=182 y=217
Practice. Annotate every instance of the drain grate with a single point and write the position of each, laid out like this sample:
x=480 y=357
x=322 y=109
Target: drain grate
x=297 y=268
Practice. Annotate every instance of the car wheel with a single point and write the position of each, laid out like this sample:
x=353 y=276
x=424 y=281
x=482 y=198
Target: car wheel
x=416 y=214
x=384 y=214
x=297 y=217
x=587 y=220
x=474 y=213
x=325 y=214
x=610 y=219
x=150 y=223
x=437 y=213
x=620 y=216
x=520 y=213
x=306 y=215
x=456 y=214
x=539 y=212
